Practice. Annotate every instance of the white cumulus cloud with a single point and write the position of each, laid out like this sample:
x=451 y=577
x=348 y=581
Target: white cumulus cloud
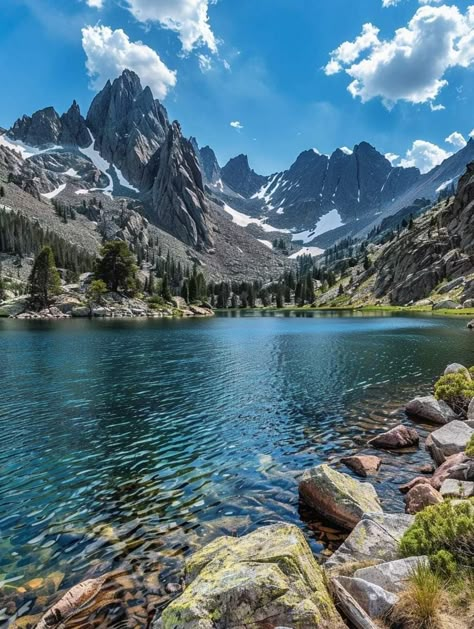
x=424 y=155
x=390 y=3
x=188 y=18
x=392 y=158
x=456 y=139
x=95 y=4
x=109 y=52
x=412 y=65
x=236 y=124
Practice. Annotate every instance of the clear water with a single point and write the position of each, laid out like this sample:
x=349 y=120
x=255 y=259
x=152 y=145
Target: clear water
x=127 y=444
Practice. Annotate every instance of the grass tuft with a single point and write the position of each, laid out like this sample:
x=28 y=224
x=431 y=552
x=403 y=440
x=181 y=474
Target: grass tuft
x=420 y=605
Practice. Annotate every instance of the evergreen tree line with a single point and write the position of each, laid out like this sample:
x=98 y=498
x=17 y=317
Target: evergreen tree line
x=19 y=235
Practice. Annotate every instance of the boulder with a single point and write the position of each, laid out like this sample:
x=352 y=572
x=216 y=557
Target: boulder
x=446 y=288
x=399 y=437
x=446 y=304
x=449 y=469
x=431 y=409
x=66 y=303
x=452 y=488
x=337 y=497
x=362 y=465
x=373 y=599
x=375 y=538
x=457 y=368
x=268 y=574
x=81 y=312
x=470 y=325
x=450 y=439
x=421 y=496
x=393 y=575
x=419 y=480
x=357 y=616
x=13 y=307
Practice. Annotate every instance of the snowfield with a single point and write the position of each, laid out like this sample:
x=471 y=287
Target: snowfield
x=308 y=251
x=328 y=222
x=54 y=193
x=244 y=220
x=22 y=149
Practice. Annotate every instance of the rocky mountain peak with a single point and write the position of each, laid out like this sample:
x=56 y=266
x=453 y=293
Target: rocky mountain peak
x=179 y=203
x=41 y=129
x=238 y=175
x=210 y=165
x=128 y=125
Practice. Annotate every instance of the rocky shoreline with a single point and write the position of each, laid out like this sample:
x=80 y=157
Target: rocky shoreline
x=270 y=577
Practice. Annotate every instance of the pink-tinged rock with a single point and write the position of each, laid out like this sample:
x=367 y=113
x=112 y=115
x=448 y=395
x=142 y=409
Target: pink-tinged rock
x=443 y=472
x=363 y=465
x=421 y=496
x=419 y=480
x=431 y=409
x=399 y=437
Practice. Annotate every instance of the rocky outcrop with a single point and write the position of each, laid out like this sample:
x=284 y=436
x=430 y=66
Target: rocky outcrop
x=268 y=577
x=128 y=126
x=431 y=409
x=457 y=489
x=179 y=204
x=373 y=599
x=338 y=497
x=392 y=576
x=441 y=246
x=399 y=437
x=375 y=539
x=448 y=440
x=211 y=170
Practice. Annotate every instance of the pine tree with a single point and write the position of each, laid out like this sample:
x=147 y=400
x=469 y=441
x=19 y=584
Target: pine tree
x=2 y=191
x=117 y=266
x=165 y=288
x=44 y=280
x=2 y=284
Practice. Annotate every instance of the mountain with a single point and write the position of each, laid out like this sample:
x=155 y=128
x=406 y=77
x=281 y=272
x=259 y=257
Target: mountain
x=123 y=164
x=321 y=198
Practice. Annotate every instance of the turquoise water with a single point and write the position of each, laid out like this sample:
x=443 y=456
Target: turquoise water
x=130 y=443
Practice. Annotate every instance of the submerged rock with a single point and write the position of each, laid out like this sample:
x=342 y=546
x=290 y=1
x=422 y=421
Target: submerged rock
x=431 y=409
x=421 y=496
x=363 y=465
x=448 y=440
x=338 y=497
x=399 y=437
x=267 y=577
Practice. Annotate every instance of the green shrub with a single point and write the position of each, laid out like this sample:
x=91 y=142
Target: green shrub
x=470 y=447
x=456 y=390
x=444 y=527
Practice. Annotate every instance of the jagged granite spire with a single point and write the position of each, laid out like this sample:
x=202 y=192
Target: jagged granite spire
x=179 y=203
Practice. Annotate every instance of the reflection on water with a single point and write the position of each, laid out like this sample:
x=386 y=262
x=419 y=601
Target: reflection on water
x=125 y=445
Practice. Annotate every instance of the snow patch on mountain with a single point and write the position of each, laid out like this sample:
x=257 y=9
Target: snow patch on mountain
x=244 y=220
x=70 y=172
x=267 y=243
x=444 y=185
x=22 y=149
x=307 y=251
x=100 y=163
x=328 y=222
x=54 y=193
x=346 y=150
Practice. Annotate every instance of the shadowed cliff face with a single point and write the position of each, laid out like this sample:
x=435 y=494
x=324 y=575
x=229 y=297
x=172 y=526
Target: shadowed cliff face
x=440 y=246
x=179 y=204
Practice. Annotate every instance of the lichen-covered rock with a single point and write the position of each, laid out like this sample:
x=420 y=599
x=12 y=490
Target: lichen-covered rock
x=362 y=465
x=431 y=409
x=267 y=578
x=399 y=437
x=338 y=497
x=450 y=439
x=376 y=538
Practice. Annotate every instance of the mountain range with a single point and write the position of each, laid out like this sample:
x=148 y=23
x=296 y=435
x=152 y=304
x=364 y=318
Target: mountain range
x=156 y=186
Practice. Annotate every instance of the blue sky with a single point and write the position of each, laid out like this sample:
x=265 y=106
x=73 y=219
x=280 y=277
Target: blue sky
x=262 y=65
